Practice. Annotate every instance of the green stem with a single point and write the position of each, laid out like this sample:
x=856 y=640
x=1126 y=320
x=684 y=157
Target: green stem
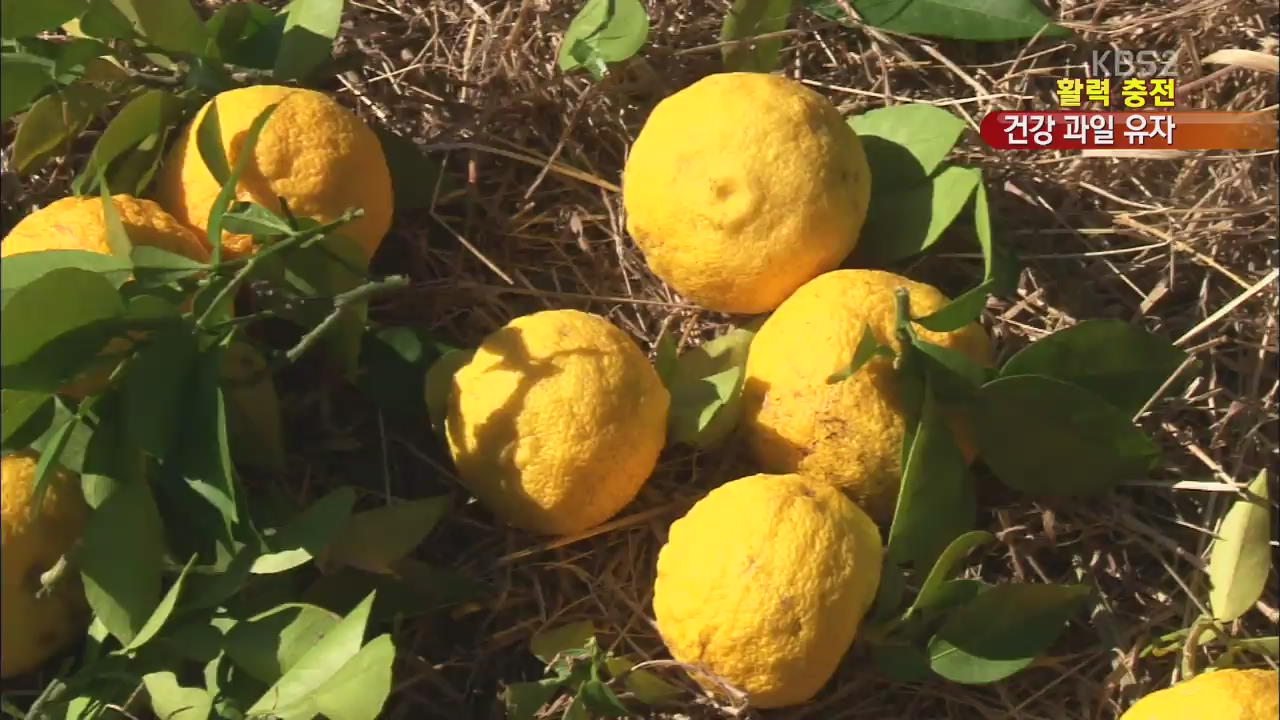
x=340 y=303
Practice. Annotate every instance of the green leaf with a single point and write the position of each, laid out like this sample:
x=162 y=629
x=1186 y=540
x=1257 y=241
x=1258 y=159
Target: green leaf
x=1002 y=630
x=945 y=565
x=524 y=699
x=120 y=559
x=416 y=179
x=955 y=377
x=600 y=700
x=868 y=347
x=361 y=687
x=49 y=459
x=936 y=503
x=154 y=267
x=167 y=24
x=254 y=425
x=747 y=19
x=1240 y=559
x=155 y=623
x=247 y=34
x=209 y=145
x=905 y=144
x=988 y=20
x=666 y=355
x=117 y=238
x=1122 y=363
x=602 y=32
x=171 y=701
x=946 y=596
x=271 y=643
x=104 y=21
x=550 y=642
x=394 y=362
x=307 y=534
x=227 y=194
x=202 y=453
x=155 y=386
x=901 y=662
x=1049 y=438
x=18 y=271
x=646 y=686
x=438 y=385
x=326 y=269
x=52 y=123
x=374 y=540
x=252 y=219
x=22 y=78
x=143 y=118
x=706 y=389
x=415 y=590
x=905 y=223
x=19 y=18
x=52 y=327
x=960 y=311
x=291 y=696
x=24 y=416
x=309 y=29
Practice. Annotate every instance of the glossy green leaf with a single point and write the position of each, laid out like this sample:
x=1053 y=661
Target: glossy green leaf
x=155 y=386
x=154 y=267
x=955 y=377
x=361 y=687
x=144 y=117
x=307 y=534
x=706 y=389
x=209 y=145
x=1240 y=559
x=905 y=223
x=202 y=452
x=748 y=19
x=172 y=701
x=167 y=24
x=960 y=311
x=156 y=622
x=18 y=271
x=416 y=178
x=936 y=502
x=438 y=385
x=900 y=661
x=601 y=701
x=666 y=355
x=255 y=429
x=394 y=363
x=54 y=326
x=868 y=347
x=1049 y=438
x=253 y=219
x=905 y=144
x=550 y=642
x=602 y=32
x=946 y=565
x=22 y=78
x=987 y=20
x=1122 y=363
x=23 y=18
x=309 y=29
x=1002 y=630
x=104 y=21
x=523 y=700
x=645 y=685
x=226 y=195
x=375 y=540
x=271 y=643
x=127 y=525
x=52 y=123
x=24 y=416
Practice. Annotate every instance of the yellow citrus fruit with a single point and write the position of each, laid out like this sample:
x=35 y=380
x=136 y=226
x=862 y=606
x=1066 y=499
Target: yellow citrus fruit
x=742 y=187
x=1221 y=695
x=764 y=583
x=848 y=433
x=76 y=223
x=312 y=152
x=35 y=627
x=557 y=421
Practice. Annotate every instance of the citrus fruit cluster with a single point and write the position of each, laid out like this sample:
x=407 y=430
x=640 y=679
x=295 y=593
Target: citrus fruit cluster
x=312 y=155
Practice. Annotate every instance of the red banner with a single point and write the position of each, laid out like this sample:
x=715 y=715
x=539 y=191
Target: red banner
x=1173 y=130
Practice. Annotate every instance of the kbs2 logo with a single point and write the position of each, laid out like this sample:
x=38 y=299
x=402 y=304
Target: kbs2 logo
x=1132 y=63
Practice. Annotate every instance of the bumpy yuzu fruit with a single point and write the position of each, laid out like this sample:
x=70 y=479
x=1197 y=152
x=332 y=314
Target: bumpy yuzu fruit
x=77 y=223
x=743 y=186
x=313 y=152
x=556 y=421
x=34 y=627
x=847 y=433
x=1221 y=695
x=765 y=581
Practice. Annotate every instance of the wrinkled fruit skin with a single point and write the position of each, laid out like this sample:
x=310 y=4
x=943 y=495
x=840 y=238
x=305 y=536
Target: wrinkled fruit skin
x=848 y=433
x=764 y=583
x=742 y=187
x=313 y=152
x=34 y=629
x=1220 y=695
x=76 y=223
x=557 y=421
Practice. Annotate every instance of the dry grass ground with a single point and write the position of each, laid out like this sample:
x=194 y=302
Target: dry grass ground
x=1184 y=246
